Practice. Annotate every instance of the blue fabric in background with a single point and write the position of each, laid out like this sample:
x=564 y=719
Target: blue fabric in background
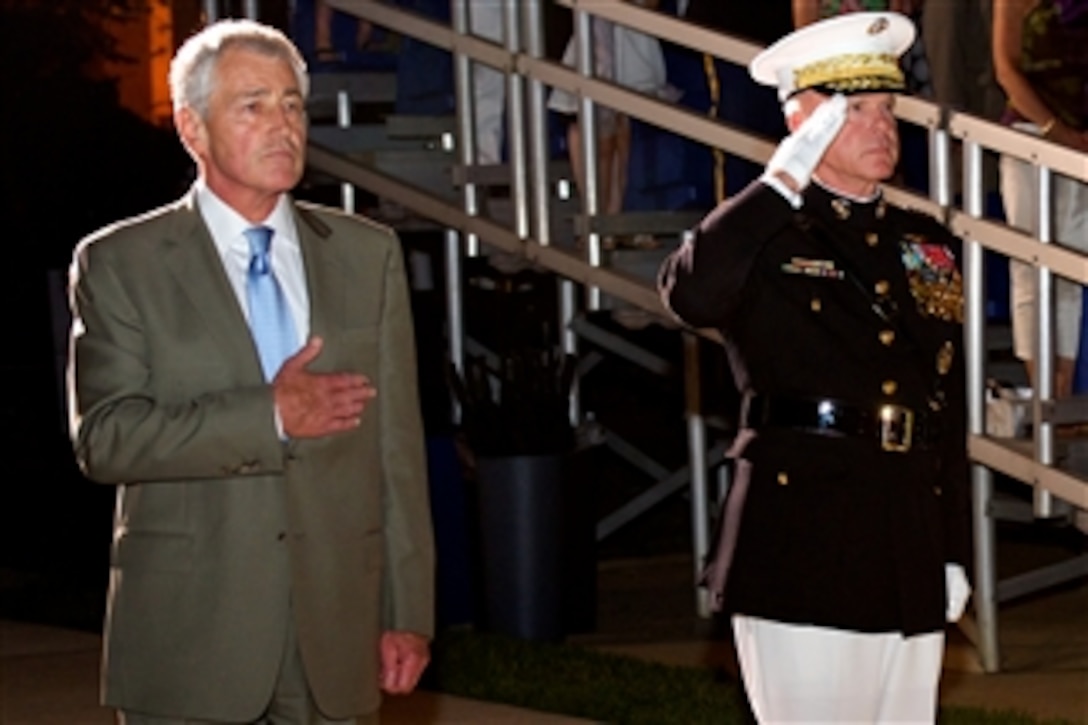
x=668 y=171
x=424 y=72
x=379 y=54
x=1080 y=372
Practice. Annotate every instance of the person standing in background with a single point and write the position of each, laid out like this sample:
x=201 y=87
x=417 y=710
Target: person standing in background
x=242 y=370
x=960 y=57
x=733 y=96
x=325 y=50
x=486 y=19
x=630 y=59
x=1040 y=62
x=962 y=71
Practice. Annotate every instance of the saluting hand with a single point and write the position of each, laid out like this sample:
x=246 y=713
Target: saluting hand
x=311 y=404
x=797 y=156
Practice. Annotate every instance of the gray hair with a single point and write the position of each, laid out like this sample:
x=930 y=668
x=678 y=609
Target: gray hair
x=192 y=71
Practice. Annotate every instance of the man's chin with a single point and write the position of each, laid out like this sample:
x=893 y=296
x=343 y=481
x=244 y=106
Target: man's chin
x=882 y=169
x=284 y=178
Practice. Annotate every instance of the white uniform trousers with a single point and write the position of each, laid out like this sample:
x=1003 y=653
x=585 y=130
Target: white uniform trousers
x=805 y=674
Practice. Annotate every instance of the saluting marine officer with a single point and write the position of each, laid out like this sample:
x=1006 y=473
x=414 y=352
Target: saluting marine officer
x=845 y=534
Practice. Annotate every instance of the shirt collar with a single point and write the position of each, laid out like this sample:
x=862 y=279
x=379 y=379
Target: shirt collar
x=227 y=226
x=877 y=192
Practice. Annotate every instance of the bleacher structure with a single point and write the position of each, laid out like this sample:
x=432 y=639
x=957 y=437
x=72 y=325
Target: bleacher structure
x=424 y=171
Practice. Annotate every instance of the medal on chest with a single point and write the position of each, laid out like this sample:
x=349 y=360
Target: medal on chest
x=935 y=283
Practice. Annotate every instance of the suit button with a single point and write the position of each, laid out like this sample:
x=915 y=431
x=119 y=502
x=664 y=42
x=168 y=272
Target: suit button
x=281 y=536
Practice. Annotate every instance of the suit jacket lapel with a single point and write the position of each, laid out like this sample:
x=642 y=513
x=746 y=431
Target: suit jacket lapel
x=324 y=273
x=190 y=255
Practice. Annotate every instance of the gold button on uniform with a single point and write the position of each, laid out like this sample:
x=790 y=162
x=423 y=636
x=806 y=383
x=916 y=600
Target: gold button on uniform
x=882 y=287
x=887 y=336
x=937 y=490
x=889 y=387
x=783 y=479
x=872 y=239
x=816 y=304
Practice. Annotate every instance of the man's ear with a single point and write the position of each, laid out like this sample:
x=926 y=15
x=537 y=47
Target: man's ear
x=191 y=130
x=794 y=113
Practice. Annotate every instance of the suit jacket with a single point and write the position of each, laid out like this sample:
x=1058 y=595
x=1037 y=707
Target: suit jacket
x=835 y=530
x=222 y=530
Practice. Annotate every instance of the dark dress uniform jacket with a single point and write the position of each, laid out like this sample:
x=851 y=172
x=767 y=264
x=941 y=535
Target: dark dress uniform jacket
x=836 y=530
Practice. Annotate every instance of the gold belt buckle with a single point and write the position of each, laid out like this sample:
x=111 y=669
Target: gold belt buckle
x=896 y=428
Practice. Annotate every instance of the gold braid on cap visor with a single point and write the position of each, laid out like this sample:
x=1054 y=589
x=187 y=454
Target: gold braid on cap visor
x=852 y=73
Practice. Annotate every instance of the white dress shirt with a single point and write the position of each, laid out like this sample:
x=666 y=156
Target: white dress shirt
x=228 y=228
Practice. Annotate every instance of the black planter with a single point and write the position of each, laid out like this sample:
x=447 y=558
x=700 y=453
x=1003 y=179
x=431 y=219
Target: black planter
x=537 y=546
x=520 y=501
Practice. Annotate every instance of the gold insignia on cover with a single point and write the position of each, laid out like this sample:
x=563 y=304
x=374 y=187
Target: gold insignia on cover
x=852 y=73
x=879 y=26
x=945 y=356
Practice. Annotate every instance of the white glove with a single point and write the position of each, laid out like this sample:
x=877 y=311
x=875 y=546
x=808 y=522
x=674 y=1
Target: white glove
x=958 y=591
x=799 y=154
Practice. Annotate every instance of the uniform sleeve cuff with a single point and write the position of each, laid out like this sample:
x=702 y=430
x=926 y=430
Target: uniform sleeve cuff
x=784 y=191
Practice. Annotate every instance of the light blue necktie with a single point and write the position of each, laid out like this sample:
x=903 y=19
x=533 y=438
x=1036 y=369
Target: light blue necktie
x=269 y=317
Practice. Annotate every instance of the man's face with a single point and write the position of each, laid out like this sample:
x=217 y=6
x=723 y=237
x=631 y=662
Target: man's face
x=251 y=145
x=866 y=150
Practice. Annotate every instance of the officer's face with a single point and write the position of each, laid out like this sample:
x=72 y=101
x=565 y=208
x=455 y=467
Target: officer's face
x=867 y=148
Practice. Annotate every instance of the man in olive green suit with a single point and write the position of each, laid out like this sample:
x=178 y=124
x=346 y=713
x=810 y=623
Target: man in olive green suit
x=272 y=555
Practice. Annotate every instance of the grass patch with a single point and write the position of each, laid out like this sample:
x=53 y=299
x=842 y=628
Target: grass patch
x=606 y=687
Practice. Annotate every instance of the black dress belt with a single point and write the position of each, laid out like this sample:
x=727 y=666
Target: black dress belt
x=893 y=427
